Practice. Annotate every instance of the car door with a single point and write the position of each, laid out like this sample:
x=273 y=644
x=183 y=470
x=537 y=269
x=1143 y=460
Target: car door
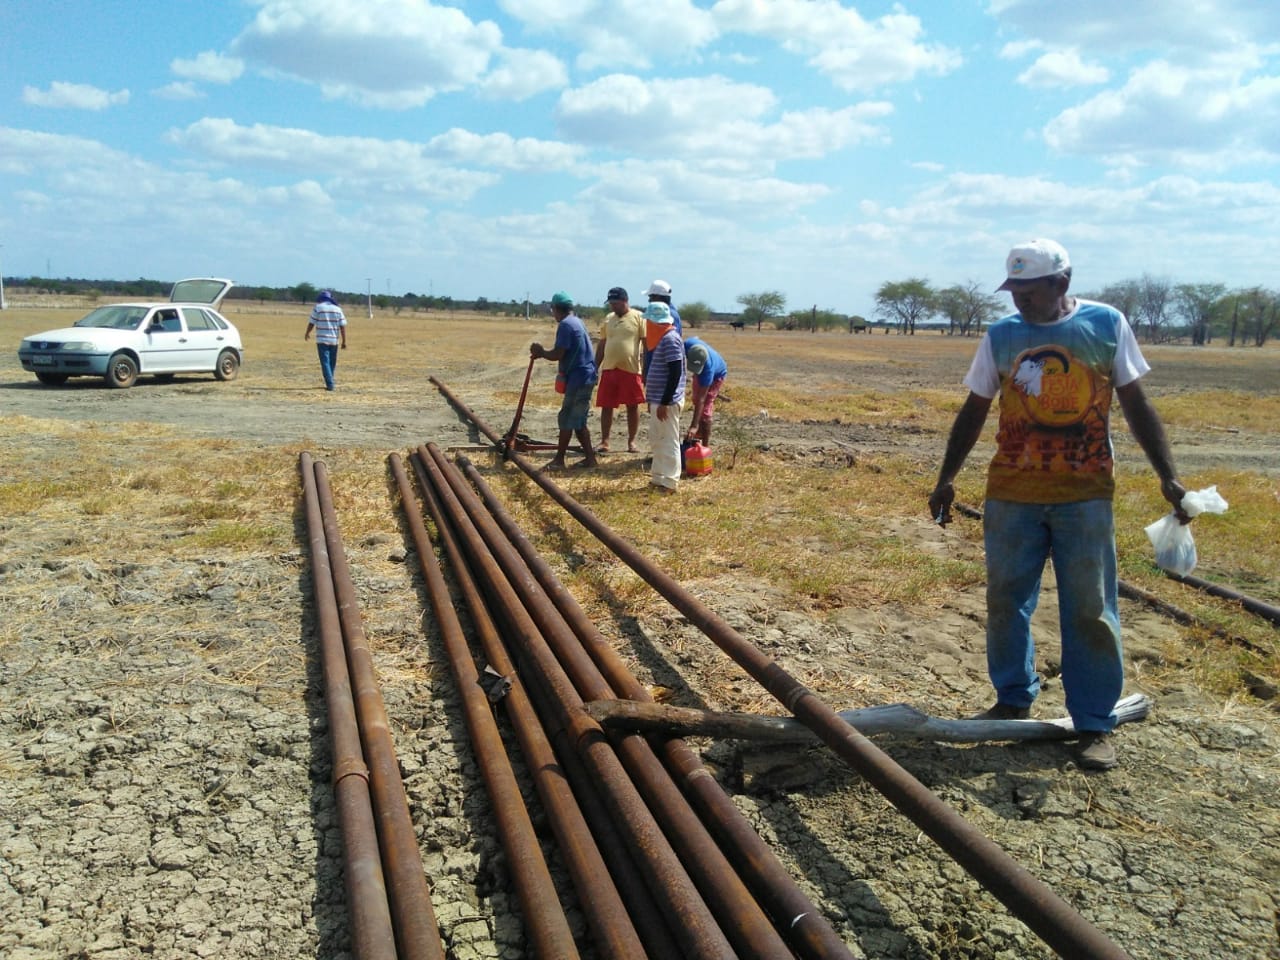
x=165 y=345
x=204 y=339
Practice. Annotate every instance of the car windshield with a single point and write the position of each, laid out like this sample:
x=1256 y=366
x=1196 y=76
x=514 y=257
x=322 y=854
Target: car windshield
x=117 y=318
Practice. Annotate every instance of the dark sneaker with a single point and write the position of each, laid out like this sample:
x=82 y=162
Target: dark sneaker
x=1095 y=751
x=1003 y=711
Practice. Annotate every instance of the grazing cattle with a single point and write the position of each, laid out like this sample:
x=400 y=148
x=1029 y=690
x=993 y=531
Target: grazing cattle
x=737 y=324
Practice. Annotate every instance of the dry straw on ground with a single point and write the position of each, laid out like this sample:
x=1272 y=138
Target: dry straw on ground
x=157 y=659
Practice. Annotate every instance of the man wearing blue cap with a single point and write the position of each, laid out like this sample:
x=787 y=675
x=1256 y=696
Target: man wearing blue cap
x=330 y=325
x=576 y=373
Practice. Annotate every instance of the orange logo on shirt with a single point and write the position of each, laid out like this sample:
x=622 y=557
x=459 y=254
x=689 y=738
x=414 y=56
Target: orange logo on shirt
x=1055 y=390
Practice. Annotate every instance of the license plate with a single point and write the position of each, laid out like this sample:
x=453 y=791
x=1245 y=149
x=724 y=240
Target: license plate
x=41 y=361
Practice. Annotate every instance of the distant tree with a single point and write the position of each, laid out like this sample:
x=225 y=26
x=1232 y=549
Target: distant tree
x=968 y=307
x=1152 y=310
x=1197 y=304
x=1255 y=314
x=814 y=320
x=827 y=319
x=759 y=307
x=906 y=303
x=694 y=315
x=1267 y=325
x=1124 y=296
x=303 y=293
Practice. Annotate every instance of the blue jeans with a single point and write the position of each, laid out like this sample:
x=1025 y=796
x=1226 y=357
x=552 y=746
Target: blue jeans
x=328 y=362
x=1019 y=538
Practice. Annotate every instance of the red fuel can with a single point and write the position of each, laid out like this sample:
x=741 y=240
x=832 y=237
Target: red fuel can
x=697 y=459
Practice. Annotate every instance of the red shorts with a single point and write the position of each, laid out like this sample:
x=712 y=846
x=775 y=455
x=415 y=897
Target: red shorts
x=618 y=388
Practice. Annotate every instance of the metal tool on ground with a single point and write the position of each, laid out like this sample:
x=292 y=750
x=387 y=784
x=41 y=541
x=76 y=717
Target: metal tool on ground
x=521 y=442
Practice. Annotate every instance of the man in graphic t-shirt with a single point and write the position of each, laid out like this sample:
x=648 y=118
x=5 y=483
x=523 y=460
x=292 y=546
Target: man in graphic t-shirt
x=1053 y=367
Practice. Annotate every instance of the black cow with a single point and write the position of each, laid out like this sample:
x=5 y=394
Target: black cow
x=737 y=324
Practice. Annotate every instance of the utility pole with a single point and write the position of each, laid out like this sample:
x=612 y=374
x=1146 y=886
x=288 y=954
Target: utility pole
x=3 y=305
x=368 y=295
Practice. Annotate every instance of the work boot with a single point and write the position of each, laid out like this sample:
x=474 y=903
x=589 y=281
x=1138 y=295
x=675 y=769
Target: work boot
x=1003 y=711
x=1095 y=751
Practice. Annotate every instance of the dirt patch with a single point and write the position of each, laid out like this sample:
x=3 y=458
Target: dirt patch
x=163 y=745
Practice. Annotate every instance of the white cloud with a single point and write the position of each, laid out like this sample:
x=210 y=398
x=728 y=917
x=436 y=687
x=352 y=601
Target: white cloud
x=857 y=54
x=669 y=185
x=521 y=74
x=209 y=67
x=623 y=110
x=1195 y=28
x=382 y=166
x=712 y=121
x=73 y=96
x=1063 y=68
x=613 y=34
x=178 y=90
x=1019 y=49
x=502 y=151
x=1175 y=114
x=394 y=54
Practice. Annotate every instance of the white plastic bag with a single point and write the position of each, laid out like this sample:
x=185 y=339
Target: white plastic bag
x=1175 y=547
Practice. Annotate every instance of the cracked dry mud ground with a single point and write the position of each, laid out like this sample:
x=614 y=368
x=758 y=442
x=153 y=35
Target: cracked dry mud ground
x=164 y=761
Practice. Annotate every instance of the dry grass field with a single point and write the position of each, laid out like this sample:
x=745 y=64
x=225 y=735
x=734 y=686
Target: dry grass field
x=153 y=569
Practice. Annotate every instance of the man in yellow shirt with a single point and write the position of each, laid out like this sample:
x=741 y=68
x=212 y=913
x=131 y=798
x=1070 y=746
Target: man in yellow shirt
x=619 y=354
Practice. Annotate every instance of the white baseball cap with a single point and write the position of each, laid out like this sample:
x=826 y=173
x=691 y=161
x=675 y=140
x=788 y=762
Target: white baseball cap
x=659 y=288
x=1033 y=260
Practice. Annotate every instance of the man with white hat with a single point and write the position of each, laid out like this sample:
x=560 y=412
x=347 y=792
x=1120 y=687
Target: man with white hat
x=660 y=292
x=1054 y=366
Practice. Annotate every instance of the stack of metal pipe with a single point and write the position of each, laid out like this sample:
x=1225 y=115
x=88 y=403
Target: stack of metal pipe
x=387 y=896
x=662 y=862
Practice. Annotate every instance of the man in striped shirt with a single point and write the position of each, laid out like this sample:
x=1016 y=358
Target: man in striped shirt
x=330 y=325
x=664 y=391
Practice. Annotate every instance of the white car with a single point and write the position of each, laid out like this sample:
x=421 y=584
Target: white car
x=123 y=341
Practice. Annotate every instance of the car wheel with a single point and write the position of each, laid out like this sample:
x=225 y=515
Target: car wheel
x=122 y=371
x=52 y=379
x=228 y=365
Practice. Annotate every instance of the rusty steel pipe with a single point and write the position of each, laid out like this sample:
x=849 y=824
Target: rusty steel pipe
x=549 y=932
x=417 y=932
x=797 y=917
x=372 y=936
x=737 y=911
x=666 y=877
x=1028 y=898
x=569 y=797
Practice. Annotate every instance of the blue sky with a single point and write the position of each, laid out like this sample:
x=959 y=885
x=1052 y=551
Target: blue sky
x=519 y=147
